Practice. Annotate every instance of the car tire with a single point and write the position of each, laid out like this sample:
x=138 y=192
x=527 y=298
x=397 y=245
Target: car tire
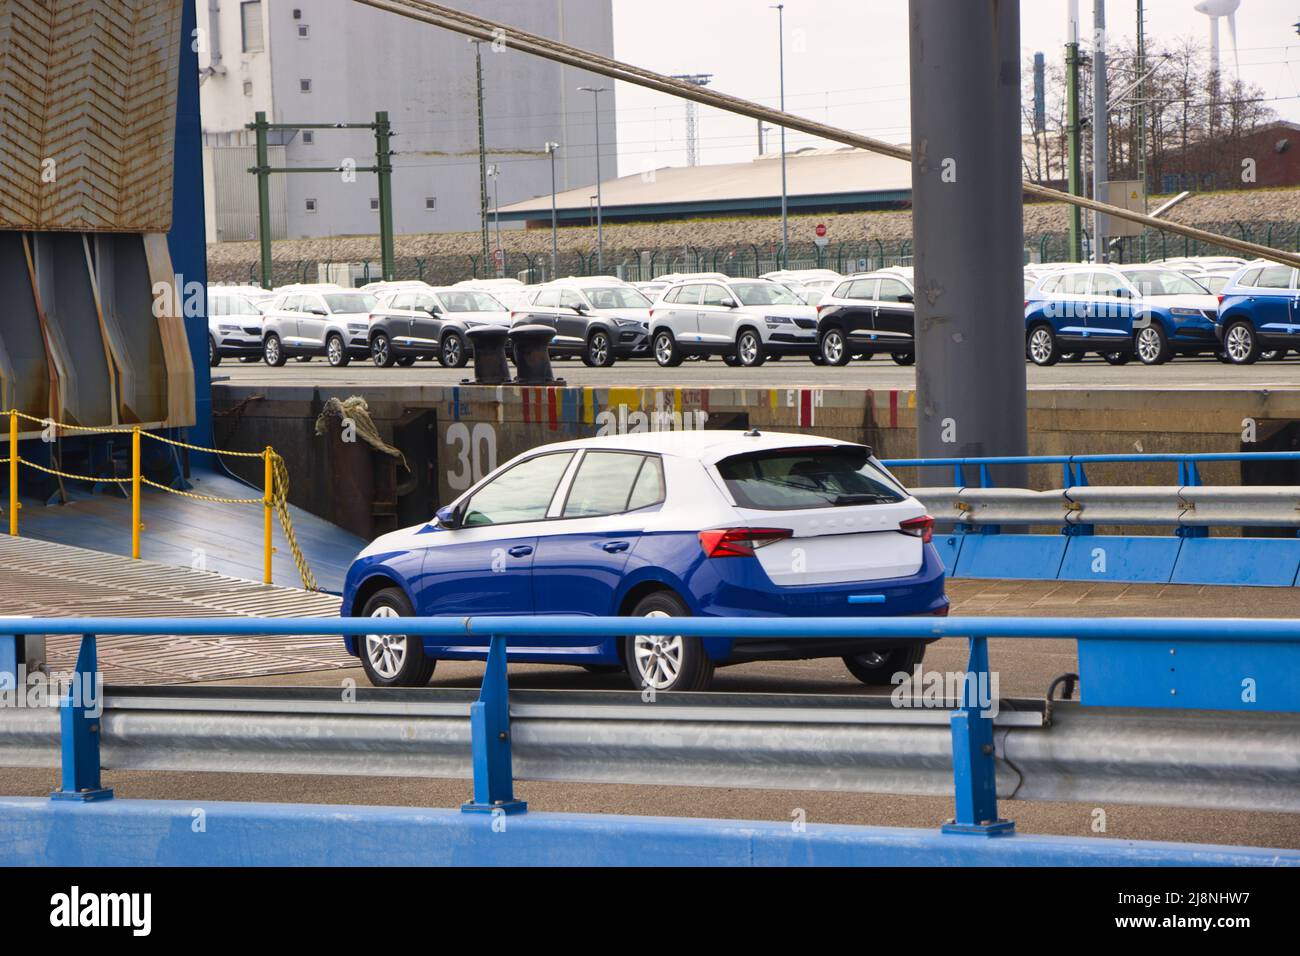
x=1042 y=347
x=903 y=358
x=336 y=351
x=730 y=361
x=665 y=663
x=835 y=347
x=598 y=352
x=877 y=668
x=214 y=357
x=250 y=358
x=451 y=351
x=393 y=660
x=1151 y=345
x=1116 y=358
x=273 y=352
x=406 y=361
x=814 y=357
x=1073 y=356
x=1240 y=343
x=381 y=351
x=749 y=349
x=1272 y=355
x=667 y=355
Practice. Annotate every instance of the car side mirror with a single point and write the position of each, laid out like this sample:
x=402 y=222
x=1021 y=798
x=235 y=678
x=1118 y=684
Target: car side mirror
x=729 y=303
x=580 y=309
x=433 y=310
x=319 y=312
x=448 y=518
x=906 y=297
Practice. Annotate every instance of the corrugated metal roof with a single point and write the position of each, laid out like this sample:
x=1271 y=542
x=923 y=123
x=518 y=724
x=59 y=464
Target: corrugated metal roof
x=816 y=173
x=88 y=114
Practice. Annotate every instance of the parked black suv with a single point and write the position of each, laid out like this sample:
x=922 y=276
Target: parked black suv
x=866 y=314
x=598 y=318
x=416 y=324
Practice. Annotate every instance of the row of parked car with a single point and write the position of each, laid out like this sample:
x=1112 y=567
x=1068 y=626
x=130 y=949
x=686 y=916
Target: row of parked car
x=1237 y=311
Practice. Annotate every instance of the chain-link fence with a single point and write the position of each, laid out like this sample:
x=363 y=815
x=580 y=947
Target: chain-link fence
x=753 y=260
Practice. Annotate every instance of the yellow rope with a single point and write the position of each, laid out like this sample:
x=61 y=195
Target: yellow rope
x=64 y=474
x=199 y=497
x=280 y=497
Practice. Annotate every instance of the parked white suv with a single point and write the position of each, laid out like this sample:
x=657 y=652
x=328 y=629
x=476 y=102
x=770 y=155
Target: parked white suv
x=234 y=326
x=743 y=320
x=306 y=321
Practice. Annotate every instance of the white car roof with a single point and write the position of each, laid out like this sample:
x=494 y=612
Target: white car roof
x=708 y=445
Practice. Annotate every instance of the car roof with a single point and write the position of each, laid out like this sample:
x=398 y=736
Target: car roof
x=709 y=445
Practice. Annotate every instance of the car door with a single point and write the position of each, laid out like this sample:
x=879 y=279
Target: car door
x=1109 y=313
x=312 y=322
x=426 y=320
x=894 y=311
x=1271 y=297
x=1068 y=306
x=583 y=549
x=716 y=315
x=545 y=308
x=859 y=317
x=483 y=565
x=686 y=313
x=571 y=319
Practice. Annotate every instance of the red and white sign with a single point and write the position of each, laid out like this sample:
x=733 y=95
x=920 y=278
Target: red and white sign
x=820 y=230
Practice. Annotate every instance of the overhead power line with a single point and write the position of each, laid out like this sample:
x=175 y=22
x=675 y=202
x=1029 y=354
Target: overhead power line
x=490 y=30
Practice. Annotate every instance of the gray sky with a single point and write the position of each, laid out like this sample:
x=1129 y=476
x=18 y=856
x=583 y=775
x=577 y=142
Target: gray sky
x=846 y=63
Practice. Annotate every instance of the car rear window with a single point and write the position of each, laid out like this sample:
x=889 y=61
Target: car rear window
x=789 y=479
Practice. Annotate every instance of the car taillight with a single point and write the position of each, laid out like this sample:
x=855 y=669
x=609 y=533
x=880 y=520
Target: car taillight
x=371 y=317
x=922 y=527
x=1221 y=300
x=652 y=313
x=739 y=542
x=512 y=316
x=941 y=612
x=1026 y=303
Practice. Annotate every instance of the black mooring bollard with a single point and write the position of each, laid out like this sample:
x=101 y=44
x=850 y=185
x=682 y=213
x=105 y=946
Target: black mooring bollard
x=530 y=345
x=489 y=344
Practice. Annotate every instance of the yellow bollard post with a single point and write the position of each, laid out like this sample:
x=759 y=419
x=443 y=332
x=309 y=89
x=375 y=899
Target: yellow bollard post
x=13 y=471
x=135 y=493
x=266 y=517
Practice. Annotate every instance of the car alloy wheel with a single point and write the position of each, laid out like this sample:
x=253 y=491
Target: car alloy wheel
x=833 y=348
x=271 y=352
x=379 y=351
x=386 y=652
x=1239 y=343
x=335 y=351
x=598 y=350
x=1151 y=346
x=666 y=350
x=749 y=349
x=1042 y=346
x=658 y=657
x=452 y=350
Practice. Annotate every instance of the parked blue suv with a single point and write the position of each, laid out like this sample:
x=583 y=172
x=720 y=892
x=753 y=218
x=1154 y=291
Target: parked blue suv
x=1259 y=312
x=1152 y=312
x=660 y=524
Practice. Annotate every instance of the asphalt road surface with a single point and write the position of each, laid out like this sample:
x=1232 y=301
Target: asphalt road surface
x=879 y=372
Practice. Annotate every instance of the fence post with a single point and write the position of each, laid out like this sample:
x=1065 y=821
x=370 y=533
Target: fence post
x=135 y=493
x=266 y=515
x=489 y=721
x=81 y=715
x=13 y=471
x=974 y=769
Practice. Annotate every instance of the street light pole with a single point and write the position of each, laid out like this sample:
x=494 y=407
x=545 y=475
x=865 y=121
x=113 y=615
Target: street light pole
x=482 y=152
x=595 y=92
x=785 y=222
x=555 y=249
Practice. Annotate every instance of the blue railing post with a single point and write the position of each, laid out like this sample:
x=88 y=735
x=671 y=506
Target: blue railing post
x=489 y=720
x=81 y=712
x=974 y=769
x=9 y=661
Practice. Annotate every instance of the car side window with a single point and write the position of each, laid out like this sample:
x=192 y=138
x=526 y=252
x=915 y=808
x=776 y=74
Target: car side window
x=521 y=493
x=400 y=301
x=570 y=299
x=548 y=298
x=891 y=290
x=672 y=295
x=1274 y=277
x=863 y=289
x=314 y=303
x=715 y=295
x=1053 y=284
x=1108 y=284
x=1250 y=278
x=604 y=484
x=841 y=290
x=690 y=295
x=1075 y=283
x=649 y=487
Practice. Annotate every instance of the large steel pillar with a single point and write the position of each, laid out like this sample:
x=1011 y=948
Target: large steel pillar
x=968 y=232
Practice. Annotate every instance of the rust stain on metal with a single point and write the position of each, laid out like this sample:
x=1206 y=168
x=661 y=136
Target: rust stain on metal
x=88 y=114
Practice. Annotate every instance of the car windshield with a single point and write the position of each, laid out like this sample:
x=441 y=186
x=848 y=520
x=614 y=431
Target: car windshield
x=764 y=293
x=1162 y=282
x=469 y=302
x=792 y=479
x=350 y=301
x=616 y=298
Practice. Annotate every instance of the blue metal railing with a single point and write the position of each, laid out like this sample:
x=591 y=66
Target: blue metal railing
x=1072 y=466
x=1272 y=646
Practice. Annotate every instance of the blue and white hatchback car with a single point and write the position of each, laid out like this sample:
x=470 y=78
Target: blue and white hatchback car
x=660 y=524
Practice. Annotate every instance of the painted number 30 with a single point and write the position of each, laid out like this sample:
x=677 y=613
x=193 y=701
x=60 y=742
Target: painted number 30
x=475 y=453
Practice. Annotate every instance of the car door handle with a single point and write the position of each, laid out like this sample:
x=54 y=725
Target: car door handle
x=613 y=547
x=520 y=550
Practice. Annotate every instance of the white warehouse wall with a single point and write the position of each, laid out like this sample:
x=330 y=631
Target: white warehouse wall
x=360 y=60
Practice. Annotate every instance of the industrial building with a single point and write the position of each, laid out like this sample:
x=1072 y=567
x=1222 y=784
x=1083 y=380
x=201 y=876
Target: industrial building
x=837 y=179
x=326 y=61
